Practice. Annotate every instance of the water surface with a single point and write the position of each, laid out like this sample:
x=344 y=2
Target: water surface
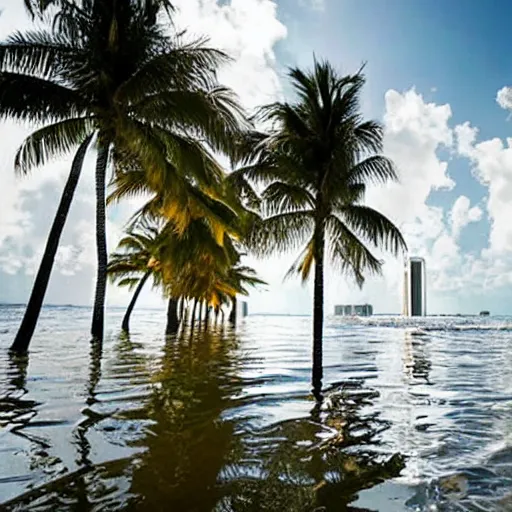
x=417 y=416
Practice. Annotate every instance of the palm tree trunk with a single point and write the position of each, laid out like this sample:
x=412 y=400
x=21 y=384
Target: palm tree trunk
x=29 y=322
x=182 y=309
x=217 y=311
x=172 y=317
x=318 y=313
x=207 y=315
x=200 y=312
x=126 y=320
x=101 y=245
x=232 y=314
x=193 y=319
x=222 y=315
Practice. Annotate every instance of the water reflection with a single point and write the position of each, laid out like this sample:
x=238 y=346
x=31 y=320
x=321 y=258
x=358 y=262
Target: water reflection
x=313 y=463
x=15 y=411
x=417 y=364
x=193 y=448
x=90 y=417
x=189 y=441
x=201 y=458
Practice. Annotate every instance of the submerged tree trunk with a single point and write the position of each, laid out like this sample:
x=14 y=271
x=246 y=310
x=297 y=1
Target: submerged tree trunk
x=200 y=313
x=232 y=314
x=207 y=315
x=29 y=322
x=101 y=245
x=193 y=319
x=126 y=320
x=318 y=314
x=172 y=317
x=182 y=310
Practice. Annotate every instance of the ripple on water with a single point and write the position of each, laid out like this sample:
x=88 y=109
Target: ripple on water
x=226 y=422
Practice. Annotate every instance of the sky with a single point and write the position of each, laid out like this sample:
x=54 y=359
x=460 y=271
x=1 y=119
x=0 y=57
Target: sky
x=439 y=78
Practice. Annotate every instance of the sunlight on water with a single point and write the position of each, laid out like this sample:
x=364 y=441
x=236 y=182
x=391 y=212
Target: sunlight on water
x=417 y=416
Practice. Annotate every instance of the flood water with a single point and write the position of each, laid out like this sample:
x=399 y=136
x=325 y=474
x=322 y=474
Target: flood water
x=417 y=416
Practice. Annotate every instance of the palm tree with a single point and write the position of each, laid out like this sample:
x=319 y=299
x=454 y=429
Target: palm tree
x=315 y=164
x=108 y=69
x=135 y=261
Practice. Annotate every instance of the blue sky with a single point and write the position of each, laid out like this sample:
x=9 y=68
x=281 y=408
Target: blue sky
x=452 y=53
x=432 y=66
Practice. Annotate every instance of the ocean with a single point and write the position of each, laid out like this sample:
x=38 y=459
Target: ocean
x=417 y=415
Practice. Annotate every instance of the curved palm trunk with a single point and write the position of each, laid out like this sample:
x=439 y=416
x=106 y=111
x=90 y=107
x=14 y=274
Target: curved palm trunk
x=217 y=311
x=126 y=320
x=221 y=315
x=101 y=245
x=318 y=314
x=172 y=317
x=232 y=314
x=29 y=322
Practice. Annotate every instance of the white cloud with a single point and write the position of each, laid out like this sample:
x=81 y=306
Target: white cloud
x=247 y=29
x=416 y=133
x=504 y=98
x=463 y=214
x=492 y=160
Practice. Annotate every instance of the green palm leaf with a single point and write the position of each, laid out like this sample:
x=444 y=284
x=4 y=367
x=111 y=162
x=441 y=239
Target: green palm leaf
x=51 y=142
x=374 y=227
x=37 y=100
x=38 y=54
x=180 y=67
x=348 y=253
x=281 y=232
x=282 y=197
x=376 y=169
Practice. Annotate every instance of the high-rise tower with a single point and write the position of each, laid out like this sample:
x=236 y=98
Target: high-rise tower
x=415 y=288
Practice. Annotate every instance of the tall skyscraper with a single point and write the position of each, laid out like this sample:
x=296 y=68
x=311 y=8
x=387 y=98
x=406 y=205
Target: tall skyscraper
x=415 y=288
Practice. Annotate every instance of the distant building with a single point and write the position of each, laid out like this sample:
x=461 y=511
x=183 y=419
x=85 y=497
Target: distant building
x=415 y=288
x=353 y=310
x=484 y=313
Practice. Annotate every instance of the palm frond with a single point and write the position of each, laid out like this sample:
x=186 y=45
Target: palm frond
x=281 y=232
x=129 y=184
x=214 y=116
x=283 y=197
x=374 y=227
x=239 y=189
x=304 y=263
x=51 y=142
x=129 y=282
x=348 y=253
x=37 y=100
x=369 y=137
x=376 y=169
x=38 y=54
x=182 y=67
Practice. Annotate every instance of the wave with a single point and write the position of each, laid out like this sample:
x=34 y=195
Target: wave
x=419 y=325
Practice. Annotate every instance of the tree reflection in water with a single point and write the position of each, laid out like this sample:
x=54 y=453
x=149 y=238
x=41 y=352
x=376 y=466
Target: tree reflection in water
x=201 y=453
x=204 y=457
